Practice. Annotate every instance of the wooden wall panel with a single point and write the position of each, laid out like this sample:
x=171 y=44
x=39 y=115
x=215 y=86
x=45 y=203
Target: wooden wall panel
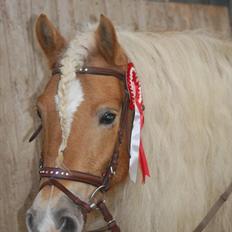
x=23 y=74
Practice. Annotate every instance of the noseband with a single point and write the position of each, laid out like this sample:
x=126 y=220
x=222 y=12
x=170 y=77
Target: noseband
x=101 y=183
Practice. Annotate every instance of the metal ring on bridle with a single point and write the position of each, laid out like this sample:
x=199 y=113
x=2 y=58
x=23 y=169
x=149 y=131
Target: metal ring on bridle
x=95 y=192
x=92 y=203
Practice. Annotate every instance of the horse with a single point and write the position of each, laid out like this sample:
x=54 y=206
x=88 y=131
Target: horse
x=186 y=83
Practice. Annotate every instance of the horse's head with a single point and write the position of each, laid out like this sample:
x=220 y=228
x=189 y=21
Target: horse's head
x=80 y=116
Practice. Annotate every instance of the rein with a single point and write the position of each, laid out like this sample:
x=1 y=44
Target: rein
x=214 y=209
x=102 y=183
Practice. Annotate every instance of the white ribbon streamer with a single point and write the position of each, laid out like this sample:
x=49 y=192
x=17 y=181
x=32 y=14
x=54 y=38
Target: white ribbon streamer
x=134 y=147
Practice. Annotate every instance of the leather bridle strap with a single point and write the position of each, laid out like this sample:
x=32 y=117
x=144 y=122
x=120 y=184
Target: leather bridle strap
x=102 y=71
x=214 y=209
x=111 y=223
x=84 y=206
x=58 y=173
x=95 y=71
x=110 y=171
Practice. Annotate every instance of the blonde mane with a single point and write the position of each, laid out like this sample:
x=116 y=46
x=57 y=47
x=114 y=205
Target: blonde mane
x=70 y=94
x=186 y=80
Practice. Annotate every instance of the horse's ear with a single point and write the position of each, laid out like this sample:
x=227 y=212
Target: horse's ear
x=107 y=42
x=50 y=39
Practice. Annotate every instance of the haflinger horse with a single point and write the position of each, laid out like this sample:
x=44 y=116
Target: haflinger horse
x=186 y=81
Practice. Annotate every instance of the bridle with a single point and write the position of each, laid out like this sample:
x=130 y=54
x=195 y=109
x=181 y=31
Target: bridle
x=101 y=183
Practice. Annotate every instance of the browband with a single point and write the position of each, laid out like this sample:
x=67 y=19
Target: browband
x=58 y=173
x=95 y=71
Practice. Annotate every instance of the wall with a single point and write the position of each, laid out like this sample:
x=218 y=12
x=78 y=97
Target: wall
x=23 y=74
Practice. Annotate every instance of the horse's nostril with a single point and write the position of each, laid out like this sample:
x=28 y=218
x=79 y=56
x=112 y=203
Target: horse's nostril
x=67 y=224
x=29 y=221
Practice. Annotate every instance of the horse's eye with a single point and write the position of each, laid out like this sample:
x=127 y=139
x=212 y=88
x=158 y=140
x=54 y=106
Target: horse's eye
x=107 y=118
